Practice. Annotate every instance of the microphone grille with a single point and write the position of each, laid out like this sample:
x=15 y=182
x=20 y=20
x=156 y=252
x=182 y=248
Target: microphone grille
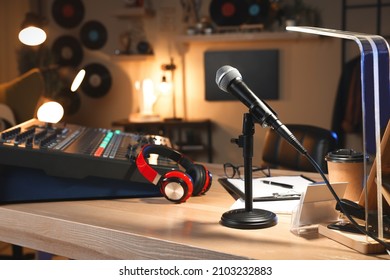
x=225 y=75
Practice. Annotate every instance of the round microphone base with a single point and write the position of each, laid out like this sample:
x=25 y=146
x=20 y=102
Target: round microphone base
x=254 y=219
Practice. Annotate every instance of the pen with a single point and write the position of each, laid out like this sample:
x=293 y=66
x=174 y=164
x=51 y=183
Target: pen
x=307 y=178
x=277 y=198
x=283 y=185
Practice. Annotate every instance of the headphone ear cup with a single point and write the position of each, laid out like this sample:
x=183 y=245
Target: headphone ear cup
x=201 y=178
x=176 y=186
x=209 y=180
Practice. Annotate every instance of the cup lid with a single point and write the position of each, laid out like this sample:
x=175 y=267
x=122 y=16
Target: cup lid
x=344 y=155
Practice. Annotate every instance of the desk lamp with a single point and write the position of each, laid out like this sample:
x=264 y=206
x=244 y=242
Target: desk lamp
x=51 y=111
x=146 y=99
x=374 y=64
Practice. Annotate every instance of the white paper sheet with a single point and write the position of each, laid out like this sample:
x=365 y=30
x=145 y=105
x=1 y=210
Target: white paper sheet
x=261 y=189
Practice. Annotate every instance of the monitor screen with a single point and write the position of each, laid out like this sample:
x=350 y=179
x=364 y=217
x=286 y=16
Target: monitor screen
x=259 y=70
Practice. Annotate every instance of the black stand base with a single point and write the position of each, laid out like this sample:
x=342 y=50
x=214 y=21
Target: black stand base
x=254 y=219
x=248 y=218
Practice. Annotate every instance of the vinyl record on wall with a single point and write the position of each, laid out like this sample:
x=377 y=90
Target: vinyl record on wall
x=67 y=51
x=97 y=81
x=257 y=11
x=228 y=12
x=93 y=35
x=68 y=13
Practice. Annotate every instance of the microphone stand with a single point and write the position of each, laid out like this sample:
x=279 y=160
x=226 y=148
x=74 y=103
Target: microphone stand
x=248 y=218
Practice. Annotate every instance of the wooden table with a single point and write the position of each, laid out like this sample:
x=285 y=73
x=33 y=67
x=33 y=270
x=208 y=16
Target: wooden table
x=154 y=228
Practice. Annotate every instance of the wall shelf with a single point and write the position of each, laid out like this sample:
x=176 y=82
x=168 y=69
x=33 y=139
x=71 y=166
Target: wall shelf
x=242 y=37
x=131 y=57
x=128 y=13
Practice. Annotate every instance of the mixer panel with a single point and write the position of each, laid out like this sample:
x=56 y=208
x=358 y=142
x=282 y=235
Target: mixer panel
x=74 y=151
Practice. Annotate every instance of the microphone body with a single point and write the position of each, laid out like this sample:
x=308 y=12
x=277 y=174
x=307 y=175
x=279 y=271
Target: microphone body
x=262 y=113
x=230 y=80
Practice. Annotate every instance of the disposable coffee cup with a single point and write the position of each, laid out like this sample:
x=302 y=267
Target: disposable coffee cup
x=347 y=165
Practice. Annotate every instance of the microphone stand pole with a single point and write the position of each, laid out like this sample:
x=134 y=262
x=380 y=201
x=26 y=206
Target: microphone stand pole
x=248 y=218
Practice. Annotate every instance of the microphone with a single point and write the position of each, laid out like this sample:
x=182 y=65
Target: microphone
x=230 y=80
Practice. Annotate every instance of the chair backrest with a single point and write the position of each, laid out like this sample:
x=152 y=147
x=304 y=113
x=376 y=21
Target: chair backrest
x=23 y=94
x=278 y=153
x=7 y=118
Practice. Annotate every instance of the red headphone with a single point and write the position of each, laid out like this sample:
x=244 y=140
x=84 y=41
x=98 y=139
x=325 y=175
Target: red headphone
x=175 y=185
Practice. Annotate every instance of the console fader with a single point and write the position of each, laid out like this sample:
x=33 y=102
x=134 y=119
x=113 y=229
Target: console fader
x=77 y=152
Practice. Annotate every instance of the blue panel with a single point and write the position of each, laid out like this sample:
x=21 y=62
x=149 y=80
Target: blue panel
x=28 y=185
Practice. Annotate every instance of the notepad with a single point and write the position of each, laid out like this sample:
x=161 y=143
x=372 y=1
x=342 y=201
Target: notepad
x=265 y=190
x=318 y=193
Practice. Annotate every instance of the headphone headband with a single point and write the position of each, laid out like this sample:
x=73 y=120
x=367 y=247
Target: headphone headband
x=196 y=180
x=151 y=174
x=168 y=153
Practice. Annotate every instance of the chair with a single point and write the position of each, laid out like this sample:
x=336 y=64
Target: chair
x=278 y=153
x=7 y=118
x=22 y=95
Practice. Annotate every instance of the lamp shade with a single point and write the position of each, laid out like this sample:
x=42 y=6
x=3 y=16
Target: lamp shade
x=50 y=112
x=31 y=33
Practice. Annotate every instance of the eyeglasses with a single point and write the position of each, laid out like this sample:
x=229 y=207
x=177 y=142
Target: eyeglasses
x=232 y=170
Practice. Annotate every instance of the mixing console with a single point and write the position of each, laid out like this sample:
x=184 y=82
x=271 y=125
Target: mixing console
x=77 y=152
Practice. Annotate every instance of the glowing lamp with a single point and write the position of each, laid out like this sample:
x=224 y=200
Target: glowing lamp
x=148 y=97
x=32 y=36
x=77 y=80
x=165 y=87
x=31 y=33
x=50 y=112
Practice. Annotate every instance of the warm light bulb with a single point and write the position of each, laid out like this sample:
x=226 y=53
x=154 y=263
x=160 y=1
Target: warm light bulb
x=164 y=87
x=78 y=80
x=50 y=112
x=32 y=36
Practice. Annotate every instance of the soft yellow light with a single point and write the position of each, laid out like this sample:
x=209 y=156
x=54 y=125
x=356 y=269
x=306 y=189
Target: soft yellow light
x=164 y=86
x=137 y=85
x=32 y=36
x=77 y=80
x=148 y=97
x=50 y=112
